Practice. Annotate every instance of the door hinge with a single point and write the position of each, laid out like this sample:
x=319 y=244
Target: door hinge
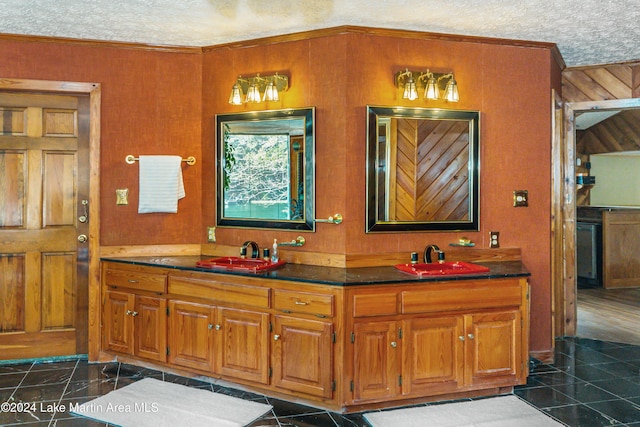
x=333 y=385
x=167 y=311
x=270 y=327
x=399 y=333
x=334 y=337
x=167 y=351
x=353 y=337
x=351 y=386
x=270 y=372
x=400 y=380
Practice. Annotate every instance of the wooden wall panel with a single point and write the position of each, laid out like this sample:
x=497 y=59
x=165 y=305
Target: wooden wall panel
x=600 y=83
x=617 y=133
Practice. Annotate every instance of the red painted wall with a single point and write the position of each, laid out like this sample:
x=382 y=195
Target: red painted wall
x=341 y=74
x=151 y=104
x=156 y=102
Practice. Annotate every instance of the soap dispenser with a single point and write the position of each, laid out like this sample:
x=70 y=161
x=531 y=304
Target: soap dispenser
x=274 y=251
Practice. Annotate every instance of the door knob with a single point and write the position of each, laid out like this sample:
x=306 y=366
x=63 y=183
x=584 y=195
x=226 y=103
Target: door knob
x=394 y=344
x=82 y=238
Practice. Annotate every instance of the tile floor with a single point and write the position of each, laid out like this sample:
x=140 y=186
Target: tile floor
x=591 y=383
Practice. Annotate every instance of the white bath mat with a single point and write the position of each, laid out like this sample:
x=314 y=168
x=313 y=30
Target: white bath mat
x=154 y=403
x=504 y=411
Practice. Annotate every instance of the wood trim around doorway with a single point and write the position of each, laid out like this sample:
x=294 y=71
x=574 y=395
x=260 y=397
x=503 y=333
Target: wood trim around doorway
x=94 y=92
x=566 y=297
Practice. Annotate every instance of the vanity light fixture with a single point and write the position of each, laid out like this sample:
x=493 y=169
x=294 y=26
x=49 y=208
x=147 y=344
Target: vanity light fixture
x=433 y=84
x=258 y=88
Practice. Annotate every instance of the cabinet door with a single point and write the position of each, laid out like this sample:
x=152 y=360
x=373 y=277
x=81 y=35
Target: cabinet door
x=242 y=344
x=150 y=319
x=376 y=370
x=191 y=335
x=432 y=355
x=303 y=356
x=493 y=348
x=118 y=321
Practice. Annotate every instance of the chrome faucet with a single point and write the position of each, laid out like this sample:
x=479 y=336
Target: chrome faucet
x=427 y=253
x=255 y=250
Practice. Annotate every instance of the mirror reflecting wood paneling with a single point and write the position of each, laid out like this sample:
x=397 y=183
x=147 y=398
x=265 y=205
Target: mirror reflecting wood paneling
x=422 y=169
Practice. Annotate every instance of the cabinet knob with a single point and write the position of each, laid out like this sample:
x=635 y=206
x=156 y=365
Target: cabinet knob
x=394 y=344
x=218 y=327
x=134 y=314
x=276 y=337
x=471 y=336
x=129 y=312
x=461 y=337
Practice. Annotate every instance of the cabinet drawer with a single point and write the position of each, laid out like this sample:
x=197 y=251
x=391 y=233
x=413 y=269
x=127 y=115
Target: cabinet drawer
x=303 y=302
x=219 y=292
x=378 y=304
x=456 y=297
x=139 y=280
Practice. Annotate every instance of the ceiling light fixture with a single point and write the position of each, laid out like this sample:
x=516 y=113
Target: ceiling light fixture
x=433 y=84
x=258 y=88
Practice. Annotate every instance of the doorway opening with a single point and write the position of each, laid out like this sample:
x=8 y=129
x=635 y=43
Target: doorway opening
x=572 y=310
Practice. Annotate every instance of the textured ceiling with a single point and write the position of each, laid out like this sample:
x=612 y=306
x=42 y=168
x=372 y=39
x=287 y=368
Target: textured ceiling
x=587 y=32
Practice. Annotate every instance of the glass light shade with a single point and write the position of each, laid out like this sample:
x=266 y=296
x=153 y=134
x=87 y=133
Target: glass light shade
x=236 y=95
x=271 y=93
x=431 y=90
x=253 y=94
x=451 y=91
x=410 y=91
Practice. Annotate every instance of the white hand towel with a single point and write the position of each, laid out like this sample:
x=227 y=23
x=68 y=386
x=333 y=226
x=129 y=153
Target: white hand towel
x=161 y=184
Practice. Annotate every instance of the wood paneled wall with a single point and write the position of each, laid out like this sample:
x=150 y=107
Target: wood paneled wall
x=618 y=133
x=601 y=83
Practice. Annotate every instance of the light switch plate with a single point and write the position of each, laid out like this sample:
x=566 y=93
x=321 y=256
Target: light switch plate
x=494 y=239
x=520 y=198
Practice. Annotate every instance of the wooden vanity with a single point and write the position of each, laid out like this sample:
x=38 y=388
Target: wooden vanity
x=341 y=339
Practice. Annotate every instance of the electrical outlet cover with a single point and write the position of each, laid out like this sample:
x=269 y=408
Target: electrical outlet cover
x=494 y=239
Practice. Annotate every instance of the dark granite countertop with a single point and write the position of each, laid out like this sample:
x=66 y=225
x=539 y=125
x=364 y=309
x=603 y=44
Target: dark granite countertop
x=330 y=275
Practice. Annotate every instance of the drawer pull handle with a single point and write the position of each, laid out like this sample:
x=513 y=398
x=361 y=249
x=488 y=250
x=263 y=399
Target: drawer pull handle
x=133 y=281
x=471 y=336
x=461 y=337
x=276 y=337
x=301 y=303
x=394 y=344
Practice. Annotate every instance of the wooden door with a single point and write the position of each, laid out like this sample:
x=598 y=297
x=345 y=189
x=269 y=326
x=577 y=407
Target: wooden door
x=303 y=356
x=118 y=322
x=191 y=335
x=150 y=328
x=242 y=344
x=432 y=355
x=493 y=348
x=376 y=370
x=44 y=190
